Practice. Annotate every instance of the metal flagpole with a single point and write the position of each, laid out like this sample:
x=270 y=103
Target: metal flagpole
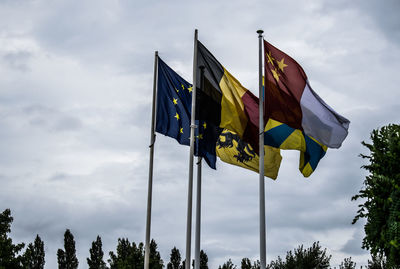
x=191 y=157
x=261 y=155
x=150 y=186
x=198 y=196
x=198 y=216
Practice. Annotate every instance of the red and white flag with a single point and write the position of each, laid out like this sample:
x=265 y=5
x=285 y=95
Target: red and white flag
x=290 y=99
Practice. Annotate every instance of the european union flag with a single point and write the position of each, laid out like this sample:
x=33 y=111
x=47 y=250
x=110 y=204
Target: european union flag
x=206 y=141
x=174 y=105
x=174 y=99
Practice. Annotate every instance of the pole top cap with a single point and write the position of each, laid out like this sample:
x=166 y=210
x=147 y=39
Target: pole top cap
x=260 y=32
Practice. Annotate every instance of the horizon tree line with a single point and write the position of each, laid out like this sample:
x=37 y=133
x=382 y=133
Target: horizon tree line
x=129 y=255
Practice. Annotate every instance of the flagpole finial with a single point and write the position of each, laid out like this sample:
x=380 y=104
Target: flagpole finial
x=260 y=32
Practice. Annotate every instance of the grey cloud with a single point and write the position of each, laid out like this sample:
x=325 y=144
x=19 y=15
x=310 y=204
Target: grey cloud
x=51 y=119
x=384 y=16
x=37 y=109
x=353 y=246
x=18 y=60
x=121 y=36
x=67 y=123
x=58 y=176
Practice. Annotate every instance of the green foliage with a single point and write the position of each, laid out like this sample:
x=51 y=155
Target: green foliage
x=228 y=265
x=347 y=264
x=377 y=263
x=246 y=264
x=155 y=261
x=129 y=256
x=96 y=255
x=67 y=258
x=33 y=257
x=61 y=259
x=175 y=259
x=381 y=195
x=203 y=260
x=183 y=266
x=278 y=264
x=9 y=258
x=313 y=257
x=256 y=265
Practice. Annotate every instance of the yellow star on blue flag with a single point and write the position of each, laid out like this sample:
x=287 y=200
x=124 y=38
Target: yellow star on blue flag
x=174 y=114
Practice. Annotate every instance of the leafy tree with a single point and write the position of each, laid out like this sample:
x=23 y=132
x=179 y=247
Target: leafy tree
x=228 y=265
x=203 y=260
x=96 y=255
x=175 y=259
x=377 y=263
x=128 y=256
x=313 y=257
x=256 y=265
x=67 y=258
x=120 y=260
x=9 y=258
x=61 y=259
x=155 y=261
x=245 y=264
x=33 y=257
x=347 y=264
x=138 y=255
x=381 y=195
x=278 y=264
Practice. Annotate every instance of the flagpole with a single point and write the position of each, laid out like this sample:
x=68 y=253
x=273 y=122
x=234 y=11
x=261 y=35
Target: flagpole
x=198 y=195
x=191 y=157
x=198 y=216
x=150 y=183
x=261 y=155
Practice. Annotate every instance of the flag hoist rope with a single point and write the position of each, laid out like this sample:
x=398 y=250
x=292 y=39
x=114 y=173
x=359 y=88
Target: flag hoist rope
x=150 y=186
x=261 y=151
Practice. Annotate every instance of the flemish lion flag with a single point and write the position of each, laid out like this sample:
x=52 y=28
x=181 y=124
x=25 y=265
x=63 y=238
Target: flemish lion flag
x=223 y=101
x=231 y=149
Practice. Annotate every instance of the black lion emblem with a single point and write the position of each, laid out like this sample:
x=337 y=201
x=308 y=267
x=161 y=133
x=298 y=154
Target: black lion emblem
x=245 y=152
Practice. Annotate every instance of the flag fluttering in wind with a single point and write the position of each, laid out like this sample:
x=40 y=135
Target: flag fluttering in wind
x=291 y=100
x=232 y=149
x=296 y=117
x=173 y=104
x=174 y=99
x=223 y=101
x=280 y=135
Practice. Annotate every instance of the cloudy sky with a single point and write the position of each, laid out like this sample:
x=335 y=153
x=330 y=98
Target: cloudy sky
x=75 y=103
